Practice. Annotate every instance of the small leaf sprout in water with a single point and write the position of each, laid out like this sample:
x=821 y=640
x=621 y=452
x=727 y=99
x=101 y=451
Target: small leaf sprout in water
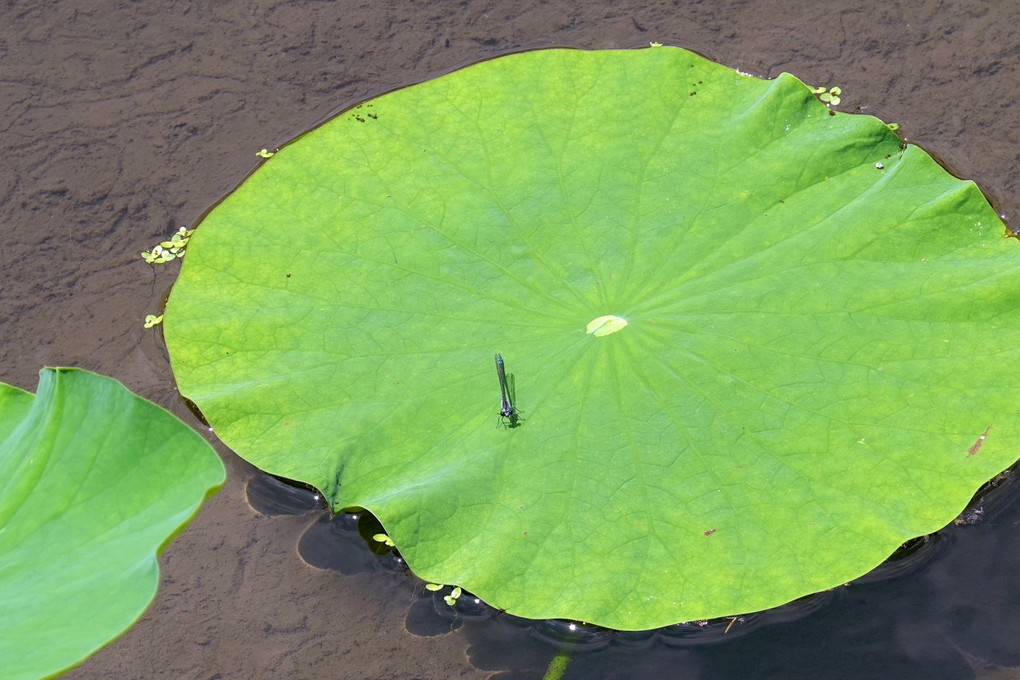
x=450 y=599
x=169 y=250
x=265 y=153
x=383 y=538
x=153 y=320
x=829 y=96
x=893 y=126
x=654 y=44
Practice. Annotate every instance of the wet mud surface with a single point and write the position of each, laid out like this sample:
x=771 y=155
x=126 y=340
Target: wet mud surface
x=122 y=121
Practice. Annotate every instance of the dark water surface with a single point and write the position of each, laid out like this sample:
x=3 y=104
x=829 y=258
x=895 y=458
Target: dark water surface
x=122 y=121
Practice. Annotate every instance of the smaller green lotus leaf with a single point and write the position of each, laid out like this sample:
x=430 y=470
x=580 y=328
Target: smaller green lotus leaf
x=93 y=481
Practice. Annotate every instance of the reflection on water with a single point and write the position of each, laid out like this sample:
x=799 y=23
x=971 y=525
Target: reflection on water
x=521 y=648
x=272 y=496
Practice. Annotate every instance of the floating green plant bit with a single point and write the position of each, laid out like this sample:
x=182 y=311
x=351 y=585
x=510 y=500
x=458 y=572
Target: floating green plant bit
x=168 y=250
x=384 y=539
x=158 y=255
x=792 y=351
x=451 y=599
x=264 y=153
x=153 y=320
x=830 y=96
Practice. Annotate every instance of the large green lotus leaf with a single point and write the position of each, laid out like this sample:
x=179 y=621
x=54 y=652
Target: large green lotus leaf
x=815 y=365
x=93 y=481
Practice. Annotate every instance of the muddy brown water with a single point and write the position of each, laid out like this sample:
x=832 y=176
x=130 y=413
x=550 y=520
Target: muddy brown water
x=122 y=121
